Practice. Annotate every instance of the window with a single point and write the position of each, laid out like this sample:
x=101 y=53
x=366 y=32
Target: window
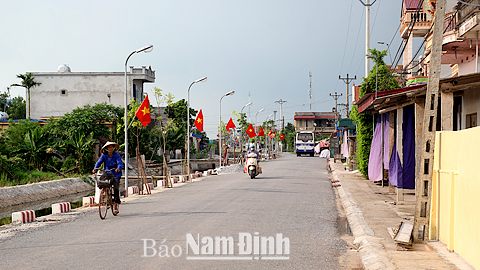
x=471 y=120
x=63 y=92
x=306 y=123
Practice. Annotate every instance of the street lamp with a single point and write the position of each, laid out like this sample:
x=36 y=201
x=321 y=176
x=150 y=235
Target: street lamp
x=268 y=117
x=146 y=49
x=220 y=125
x=188 y=124
x=241 y=133
x=261 y=110
x=388 y=51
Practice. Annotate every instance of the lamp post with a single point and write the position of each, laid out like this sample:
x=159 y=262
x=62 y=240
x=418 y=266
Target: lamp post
x=146 y=49
x=388 y=51
x=188 y=124
x=261 y=110
x=220 y=125
x=241 y=133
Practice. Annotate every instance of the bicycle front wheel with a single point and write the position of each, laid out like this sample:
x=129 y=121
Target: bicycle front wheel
x=103 y=203
x=113 y=204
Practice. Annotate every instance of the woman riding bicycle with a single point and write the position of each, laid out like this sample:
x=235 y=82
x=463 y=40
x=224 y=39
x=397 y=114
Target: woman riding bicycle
x=112 y=160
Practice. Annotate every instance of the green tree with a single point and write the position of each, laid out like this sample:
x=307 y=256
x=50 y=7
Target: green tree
x=28 y=81
x=178 y=112
x=16 y=108
x=96 y=119
x=162 y=100
x=3 y=101
x=381 y=81
x=34 y=148
x=289 y=133
x=16 y=131
x=80 y=145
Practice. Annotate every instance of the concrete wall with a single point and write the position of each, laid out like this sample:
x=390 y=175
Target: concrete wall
x=82 y=88
x=47 y=99
x=455 y=212
x=10 y=196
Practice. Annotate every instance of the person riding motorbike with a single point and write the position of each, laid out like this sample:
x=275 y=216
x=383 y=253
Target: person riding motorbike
x=112 y=160
x=252 y=150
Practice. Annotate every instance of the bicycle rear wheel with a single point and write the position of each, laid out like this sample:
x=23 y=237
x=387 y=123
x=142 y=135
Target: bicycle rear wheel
x=103 y=203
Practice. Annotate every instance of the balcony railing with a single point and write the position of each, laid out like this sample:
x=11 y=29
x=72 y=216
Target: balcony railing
x=450 y=22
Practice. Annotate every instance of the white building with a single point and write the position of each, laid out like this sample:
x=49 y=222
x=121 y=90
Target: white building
x=61 y=92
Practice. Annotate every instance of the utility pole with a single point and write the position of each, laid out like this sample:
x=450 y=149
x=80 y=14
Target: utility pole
x=367 y=36
x=336 y=97
x=424 y=176
x=347 y=81
x=281 y=117
x=310 y=91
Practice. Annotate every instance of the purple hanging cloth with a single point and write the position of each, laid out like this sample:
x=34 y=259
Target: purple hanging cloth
x=408 y=148
x=386 y=127
x=375 y=158
x=395 y=170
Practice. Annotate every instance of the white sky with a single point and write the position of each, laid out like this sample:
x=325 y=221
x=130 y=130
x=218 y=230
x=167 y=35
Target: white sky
x=257 y=47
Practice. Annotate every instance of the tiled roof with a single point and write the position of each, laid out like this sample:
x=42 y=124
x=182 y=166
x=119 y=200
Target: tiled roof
x=411 y=4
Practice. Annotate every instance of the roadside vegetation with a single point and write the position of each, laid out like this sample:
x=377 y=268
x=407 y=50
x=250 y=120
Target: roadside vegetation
x=364 y=121
x=64 y=147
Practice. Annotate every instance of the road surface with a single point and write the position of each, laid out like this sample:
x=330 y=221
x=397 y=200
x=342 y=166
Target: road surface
x=221 y=221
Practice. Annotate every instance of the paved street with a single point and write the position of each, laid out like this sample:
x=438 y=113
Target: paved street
x=293 y=198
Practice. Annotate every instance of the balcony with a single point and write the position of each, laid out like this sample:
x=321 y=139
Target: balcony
x=422 y=23
x=144 y=73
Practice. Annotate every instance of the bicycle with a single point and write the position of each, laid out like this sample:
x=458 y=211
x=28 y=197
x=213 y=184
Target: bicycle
x=105 y=183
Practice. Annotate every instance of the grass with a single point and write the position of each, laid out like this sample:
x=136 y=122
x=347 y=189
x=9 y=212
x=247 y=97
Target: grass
x=29 y=177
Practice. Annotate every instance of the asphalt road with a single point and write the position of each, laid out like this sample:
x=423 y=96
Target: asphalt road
x=293 y=197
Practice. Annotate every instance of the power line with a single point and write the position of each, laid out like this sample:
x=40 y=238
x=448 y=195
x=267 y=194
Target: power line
x=347 y=81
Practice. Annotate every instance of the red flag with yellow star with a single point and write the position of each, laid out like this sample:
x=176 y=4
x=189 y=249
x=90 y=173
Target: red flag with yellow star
x=260 y=132
x=230 y=125
x=282 y=137
x=251 y=132
x=143 y=112
x=199 y=121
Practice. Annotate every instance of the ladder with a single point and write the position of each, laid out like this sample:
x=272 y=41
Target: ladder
x=423 y=183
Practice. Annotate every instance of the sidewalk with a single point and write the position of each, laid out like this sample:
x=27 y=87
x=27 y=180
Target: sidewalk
x=370 y=210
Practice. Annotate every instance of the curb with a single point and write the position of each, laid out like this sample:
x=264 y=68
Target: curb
x=372 y=252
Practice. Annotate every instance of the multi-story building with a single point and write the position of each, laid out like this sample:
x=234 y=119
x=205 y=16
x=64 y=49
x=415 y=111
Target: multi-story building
x=61 y=92
x=322 y=123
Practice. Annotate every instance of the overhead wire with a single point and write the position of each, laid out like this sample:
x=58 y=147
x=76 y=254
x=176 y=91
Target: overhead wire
x=346 y=42
x=401 y=48
x=418 y=51
x=356 y=42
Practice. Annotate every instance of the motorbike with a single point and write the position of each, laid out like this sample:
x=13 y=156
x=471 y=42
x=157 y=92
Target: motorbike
x=252 y=165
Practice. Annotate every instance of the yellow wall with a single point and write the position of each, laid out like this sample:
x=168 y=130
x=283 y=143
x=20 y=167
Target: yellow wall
x=455 y=212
